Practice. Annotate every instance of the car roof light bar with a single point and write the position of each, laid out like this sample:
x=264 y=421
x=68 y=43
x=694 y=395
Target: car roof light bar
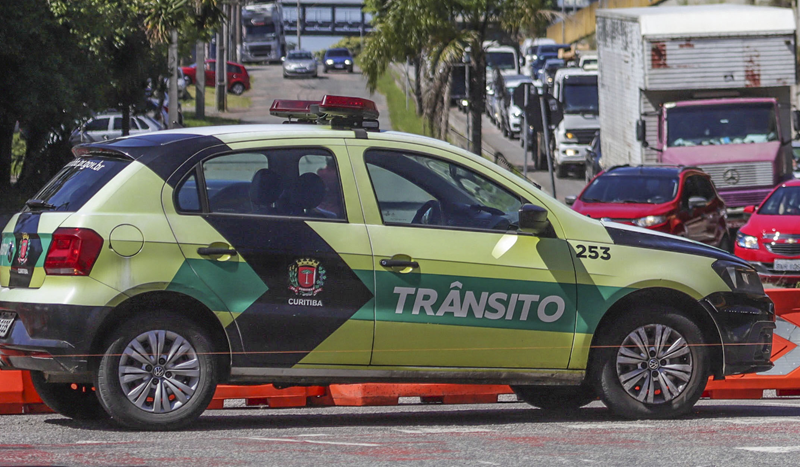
x=344 y=106
x=287 y=108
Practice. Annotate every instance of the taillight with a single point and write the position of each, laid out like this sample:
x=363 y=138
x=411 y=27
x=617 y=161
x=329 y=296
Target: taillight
x=72 y=252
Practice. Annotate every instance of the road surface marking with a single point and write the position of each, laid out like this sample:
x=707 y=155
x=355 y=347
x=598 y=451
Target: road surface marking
x=773 y=449
x=310 y=441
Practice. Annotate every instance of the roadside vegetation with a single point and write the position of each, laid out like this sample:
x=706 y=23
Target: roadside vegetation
x=402 y=118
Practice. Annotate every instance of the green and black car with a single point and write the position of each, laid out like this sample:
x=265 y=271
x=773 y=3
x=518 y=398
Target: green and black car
x=156 y=266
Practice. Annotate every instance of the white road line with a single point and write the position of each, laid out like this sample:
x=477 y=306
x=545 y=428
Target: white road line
x=317 y=434
x=487 y=463
x=433 y=431
x=608 y=426
x=309 y=441
x=762 y=420
x=91 y=442
x=773 y=449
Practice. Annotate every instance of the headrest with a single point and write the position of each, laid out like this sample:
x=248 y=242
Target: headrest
x=266 y=187
x=308 y=192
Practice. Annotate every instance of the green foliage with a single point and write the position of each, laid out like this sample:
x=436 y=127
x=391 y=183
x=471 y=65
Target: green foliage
x=402 y=118
x=351 y=43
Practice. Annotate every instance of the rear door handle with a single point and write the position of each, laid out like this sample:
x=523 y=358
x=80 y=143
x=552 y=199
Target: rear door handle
x=396 y=263
x=216 y=251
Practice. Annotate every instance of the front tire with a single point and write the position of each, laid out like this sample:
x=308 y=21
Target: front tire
x=653 y=363
x=157 y=373
x=237 y=88
x=73 y=400
x=556 y=399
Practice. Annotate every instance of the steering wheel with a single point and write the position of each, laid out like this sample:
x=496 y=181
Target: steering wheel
x=429 y=213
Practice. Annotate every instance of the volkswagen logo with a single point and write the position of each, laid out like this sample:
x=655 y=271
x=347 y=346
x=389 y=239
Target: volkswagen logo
x=731 y=177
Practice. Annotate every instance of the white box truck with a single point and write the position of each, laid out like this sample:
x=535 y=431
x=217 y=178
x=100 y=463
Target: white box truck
x=706 y=85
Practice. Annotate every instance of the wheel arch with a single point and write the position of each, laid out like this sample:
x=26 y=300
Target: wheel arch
x=181 y=304
x=678 y=300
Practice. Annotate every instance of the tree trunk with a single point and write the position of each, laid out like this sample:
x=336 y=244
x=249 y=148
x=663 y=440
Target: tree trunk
x=172 y=61
x=417 y=83
x=6 y=143
x=200 y=82
x=477 y=91
x=126 y=119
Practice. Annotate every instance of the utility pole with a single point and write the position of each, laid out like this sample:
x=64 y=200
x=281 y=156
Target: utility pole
x=172 y=61
x=298 y=25
x=546 y=127
x=563 y=21
x=237 y=36
x=219 y=67
x=200 y=74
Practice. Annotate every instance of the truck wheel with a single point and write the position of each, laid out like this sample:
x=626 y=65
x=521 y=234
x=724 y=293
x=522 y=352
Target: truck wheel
x=73 y=400
x=157 y=373
x=560 y=169
x=651 y=363
x=556 y=399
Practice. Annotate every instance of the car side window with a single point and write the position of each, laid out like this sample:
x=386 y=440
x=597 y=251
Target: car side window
x=414 y=189
x=233 y=68
x=98 y=124
x=296 y=182
x=211 y=66
x=705 y=188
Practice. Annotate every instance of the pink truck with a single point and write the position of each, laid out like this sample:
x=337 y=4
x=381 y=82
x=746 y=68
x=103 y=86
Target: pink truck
x=706 y=86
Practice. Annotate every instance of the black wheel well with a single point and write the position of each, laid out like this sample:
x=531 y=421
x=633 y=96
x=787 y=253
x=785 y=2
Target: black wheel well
x=675 y=299
x=177 y=302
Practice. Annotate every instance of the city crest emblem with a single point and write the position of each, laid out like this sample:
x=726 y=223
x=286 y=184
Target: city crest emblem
x=23 y=249
x=306 y=277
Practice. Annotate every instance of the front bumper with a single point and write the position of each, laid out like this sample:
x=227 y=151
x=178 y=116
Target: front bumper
x=570 y=153
x=303 y=72
x=745 y=323
x=52 y=338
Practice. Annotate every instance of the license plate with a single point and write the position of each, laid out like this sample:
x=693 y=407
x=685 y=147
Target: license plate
x=339 y=66
x=6 y=320
x=787 y=265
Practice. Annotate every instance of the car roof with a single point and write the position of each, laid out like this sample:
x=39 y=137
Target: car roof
x=164 y=151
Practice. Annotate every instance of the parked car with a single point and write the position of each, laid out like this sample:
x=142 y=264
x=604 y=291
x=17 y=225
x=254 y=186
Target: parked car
x=238 y=78
x=337 y=59
x=548 y=72
x=593 y=156
x=770 y=240
x=108 y=125
x=511 y=114
x=300 y=63
x=671 y=199
x=796 y=158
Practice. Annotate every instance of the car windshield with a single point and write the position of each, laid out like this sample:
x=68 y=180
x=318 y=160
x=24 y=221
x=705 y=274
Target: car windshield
x=721 y=124
x=631 y=189
x=79 y=180
x=337 y=53
x=253 y=33
x=300 y=56
x=581 y=97
x=501 y=60
x=785 y=201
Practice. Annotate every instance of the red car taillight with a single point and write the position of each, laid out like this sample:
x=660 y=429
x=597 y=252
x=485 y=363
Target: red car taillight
x=72 y=252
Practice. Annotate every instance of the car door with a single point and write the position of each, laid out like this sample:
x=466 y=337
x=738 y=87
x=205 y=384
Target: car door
x=699 y=221
x=211 y=73
x=278 y=235
x=455 y=284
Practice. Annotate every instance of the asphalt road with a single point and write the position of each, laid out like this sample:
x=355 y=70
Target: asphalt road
x=718 y=433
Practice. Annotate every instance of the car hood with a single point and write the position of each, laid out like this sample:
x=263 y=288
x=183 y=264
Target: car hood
x=305 y=63
x=627 y=235
x=723 y=153
x=760 y=224
x=622 y=210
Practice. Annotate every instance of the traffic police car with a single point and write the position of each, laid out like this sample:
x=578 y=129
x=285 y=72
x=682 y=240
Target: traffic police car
x=156 y=266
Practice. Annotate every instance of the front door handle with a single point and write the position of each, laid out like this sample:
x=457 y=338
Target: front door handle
x=203 y=251
x=396 y=263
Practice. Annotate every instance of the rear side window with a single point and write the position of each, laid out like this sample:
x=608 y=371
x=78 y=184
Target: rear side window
x=79 y=180
x=98 y=124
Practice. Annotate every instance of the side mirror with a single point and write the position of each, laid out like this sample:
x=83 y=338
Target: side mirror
x=796 y=120
x=533 y=219
x=697 y=202
x=641 y=132
x=749 y=209
x=570 y=200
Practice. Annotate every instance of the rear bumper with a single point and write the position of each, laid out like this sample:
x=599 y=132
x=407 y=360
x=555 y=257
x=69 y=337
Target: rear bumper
x=745 y=324
x=52 y=338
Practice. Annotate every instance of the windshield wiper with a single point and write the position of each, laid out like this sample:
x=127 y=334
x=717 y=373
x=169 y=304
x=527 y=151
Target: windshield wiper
x=39 y=204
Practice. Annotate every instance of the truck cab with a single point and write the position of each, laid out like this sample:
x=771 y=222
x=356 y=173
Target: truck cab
x=735 y=140
x=576 y=89
x=263 y=38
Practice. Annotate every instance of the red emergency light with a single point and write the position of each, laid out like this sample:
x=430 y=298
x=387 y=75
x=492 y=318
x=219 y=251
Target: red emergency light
x=349 y=107
x=293 y=109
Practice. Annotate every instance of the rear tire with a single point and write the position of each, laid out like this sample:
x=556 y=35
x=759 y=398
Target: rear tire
x=74 y=400
x=161 y=388
x=556 y=399
x=662 y=379
x=237 y=89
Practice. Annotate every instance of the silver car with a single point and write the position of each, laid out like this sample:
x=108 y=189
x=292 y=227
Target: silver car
x=105 y=126
x=300 y=63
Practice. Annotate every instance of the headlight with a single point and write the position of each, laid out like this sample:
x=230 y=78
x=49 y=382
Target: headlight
x=569 y=135
x=464 y=103
x=329 y=61
x=739 y=278
x=535 y=57
x=650 y=221
x=570 y=152
x=347 y=62
x=746 y=241
x=517 y=113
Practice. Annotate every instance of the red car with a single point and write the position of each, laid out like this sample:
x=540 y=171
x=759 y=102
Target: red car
x=671 y=199
x=238 y=78
x=770 y=240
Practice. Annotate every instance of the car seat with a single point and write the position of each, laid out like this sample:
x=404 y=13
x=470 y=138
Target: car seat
x=303 y=197
x=265 y=189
